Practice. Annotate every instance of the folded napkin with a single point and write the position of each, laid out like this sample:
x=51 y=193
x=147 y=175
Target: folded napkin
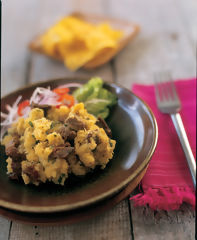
x=167 y=182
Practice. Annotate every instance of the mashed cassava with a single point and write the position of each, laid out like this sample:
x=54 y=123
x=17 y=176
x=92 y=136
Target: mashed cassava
x=52 y=143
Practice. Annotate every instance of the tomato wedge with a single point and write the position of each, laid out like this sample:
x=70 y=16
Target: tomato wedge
x=21 y=106
x=61 y=91
x=67 y=99
x=64 y=98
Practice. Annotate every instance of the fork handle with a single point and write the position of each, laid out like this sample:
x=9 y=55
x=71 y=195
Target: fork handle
x=176 y=118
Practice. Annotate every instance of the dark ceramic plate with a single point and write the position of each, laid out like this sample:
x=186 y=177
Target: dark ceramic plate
x=72 y=216
x=134 y=128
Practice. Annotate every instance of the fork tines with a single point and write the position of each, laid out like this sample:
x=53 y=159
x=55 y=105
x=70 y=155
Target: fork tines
x=165 y=91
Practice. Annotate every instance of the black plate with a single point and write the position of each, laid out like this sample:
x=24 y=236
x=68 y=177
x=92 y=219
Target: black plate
x=135 y=130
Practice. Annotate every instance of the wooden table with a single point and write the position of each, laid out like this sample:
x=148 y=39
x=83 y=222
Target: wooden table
x=167 y=41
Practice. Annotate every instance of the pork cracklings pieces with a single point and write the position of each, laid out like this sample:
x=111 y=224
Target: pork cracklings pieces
x=51 y=144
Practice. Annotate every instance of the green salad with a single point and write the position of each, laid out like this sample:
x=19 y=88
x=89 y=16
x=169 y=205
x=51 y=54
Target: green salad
x=97 y=100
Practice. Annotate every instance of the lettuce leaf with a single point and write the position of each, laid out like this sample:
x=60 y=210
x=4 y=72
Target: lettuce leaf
x=96 y=99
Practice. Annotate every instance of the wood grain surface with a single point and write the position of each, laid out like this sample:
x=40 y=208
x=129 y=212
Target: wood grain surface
x=167 y=41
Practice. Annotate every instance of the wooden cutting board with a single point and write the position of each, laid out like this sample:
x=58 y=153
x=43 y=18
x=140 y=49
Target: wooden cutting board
x=129 y=30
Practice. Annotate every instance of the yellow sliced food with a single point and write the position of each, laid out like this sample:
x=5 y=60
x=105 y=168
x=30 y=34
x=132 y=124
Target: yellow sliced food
x=77 y=42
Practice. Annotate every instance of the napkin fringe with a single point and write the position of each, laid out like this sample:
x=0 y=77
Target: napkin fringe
x=169 y=198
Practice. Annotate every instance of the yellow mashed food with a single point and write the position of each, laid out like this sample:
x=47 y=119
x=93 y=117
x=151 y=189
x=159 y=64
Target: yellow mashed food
x=53 y=143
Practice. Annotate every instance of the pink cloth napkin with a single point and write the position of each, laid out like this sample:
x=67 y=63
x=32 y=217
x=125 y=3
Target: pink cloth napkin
x=167 y=182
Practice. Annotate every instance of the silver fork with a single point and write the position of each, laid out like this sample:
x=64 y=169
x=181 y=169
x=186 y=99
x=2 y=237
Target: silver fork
x=169 y=102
